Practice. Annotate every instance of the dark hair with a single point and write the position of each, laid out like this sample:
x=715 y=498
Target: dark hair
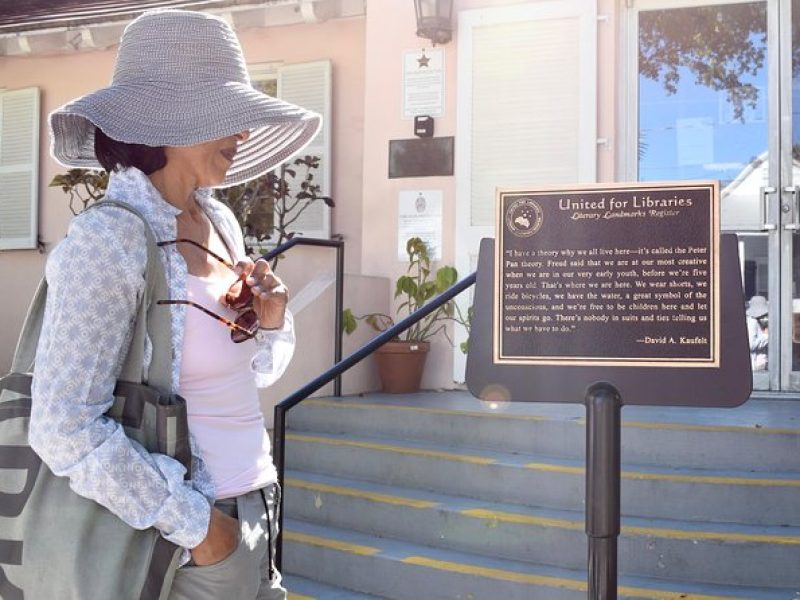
x=114 y=155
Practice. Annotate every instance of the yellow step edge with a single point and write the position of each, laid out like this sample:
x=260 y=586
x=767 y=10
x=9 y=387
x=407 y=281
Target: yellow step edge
x=711 y=479
x=547 y=467
x=425 y=410
x=498 y=574
x=313 y=540
x=642 y=476
x=354 y=493
x=475 y=460
x=552 y=582
x=505 y=517
x=580 y=421
x=295 y=596
x=575 y=525
x=709 y=428
x=659 y=532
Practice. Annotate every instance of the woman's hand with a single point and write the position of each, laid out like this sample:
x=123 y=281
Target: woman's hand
x=270 y=295
x=221 y=540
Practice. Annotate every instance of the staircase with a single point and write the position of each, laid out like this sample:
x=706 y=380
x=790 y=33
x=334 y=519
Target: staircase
x=435 y=495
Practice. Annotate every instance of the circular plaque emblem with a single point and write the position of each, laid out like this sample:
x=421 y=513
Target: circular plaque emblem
x=524 y=217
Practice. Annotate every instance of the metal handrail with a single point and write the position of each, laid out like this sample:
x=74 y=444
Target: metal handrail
x=337 y=321
x=279 y=435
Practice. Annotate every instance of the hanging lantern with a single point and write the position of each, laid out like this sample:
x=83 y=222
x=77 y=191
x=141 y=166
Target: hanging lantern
x=434 y=20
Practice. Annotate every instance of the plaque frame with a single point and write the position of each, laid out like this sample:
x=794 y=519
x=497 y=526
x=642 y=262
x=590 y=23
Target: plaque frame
x=617 y=191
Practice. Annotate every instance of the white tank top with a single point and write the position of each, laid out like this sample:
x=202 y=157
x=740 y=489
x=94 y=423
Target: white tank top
x=222 y=397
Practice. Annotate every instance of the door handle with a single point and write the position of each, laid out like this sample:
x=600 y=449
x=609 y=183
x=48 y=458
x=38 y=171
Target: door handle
x=795 y=224
x=764 y=208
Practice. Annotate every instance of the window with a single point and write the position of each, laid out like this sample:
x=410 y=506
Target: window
x=307 y=85
x=19 y=168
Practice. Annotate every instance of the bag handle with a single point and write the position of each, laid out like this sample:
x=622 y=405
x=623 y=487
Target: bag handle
x=151 y=320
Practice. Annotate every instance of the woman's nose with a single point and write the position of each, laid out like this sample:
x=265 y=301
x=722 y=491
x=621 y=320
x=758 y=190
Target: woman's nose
x=242 y=136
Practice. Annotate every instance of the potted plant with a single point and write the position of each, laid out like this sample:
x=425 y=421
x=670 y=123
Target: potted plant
x=402 y=360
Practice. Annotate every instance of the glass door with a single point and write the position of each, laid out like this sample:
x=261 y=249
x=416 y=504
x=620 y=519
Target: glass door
x=789 y=23
x=707 y=108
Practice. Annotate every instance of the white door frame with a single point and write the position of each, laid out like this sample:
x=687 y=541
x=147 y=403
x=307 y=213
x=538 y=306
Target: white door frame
x=468 y=236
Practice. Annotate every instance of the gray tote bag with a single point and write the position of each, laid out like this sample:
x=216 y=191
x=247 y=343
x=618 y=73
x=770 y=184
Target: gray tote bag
x=55 y=544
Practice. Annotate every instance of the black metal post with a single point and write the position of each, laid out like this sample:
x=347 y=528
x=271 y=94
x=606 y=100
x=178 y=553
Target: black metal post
x=603 y=452
x=278 y=452
x=337 y=350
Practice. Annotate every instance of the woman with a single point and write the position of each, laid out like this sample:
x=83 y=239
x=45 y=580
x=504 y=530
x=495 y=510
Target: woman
x=180 y=117
x=758 y=332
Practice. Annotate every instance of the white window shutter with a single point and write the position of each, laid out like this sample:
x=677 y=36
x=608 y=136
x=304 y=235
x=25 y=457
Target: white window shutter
x=309 y=85
x=19 y=168
x=533 y=103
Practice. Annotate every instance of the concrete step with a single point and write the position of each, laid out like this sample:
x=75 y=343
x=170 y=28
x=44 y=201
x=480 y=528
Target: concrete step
x=403 y=571
x=531 y=480
x=674 y=550
x=301 y=588
x=760 y=435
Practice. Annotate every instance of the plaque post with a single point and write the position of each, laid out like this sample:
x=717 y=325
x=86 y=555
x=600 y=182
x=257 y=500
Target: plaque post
x=603 y=427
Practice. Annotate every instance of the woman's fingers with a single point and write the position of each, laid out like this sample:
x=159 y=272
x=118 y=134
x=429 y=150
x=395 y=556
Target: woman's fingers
x=264 y=282
x=244 y=267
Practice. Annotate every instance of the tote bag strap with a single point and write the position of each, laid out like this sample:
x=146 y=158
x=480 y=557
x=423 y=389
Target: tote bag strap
x=152 y=321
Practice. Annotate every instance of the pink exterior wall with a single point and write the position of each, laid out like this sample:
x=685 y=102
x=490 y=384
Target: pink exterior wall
x=391 y=29
x=366 y=53
x=63 y=77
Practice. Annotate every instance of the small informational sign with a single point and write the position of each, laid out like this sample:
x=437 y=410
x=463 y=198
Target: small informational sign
x=423 y=82
x=420 y=215
x=608 y=275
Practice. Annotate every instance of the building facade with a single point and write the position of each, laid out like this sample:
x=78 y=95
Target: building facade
x=533 y=93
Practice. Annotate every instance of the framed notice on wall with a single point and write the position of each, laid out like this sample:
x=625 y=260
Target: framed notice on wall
x=423 y=82
x=608 y=275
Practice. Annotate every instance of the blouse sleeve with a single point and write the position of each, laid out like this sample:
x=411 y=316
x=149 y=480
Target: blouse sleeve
x=95 y=277
x=275 y=350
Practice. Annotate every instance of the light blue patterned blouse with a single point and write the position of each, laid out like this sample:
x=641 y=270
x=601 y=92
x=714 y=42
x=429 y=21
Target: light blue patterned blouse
x=94 y=279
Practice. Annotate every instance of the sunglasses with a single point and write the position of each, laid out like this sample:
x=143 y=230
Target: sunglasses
x=239 y=297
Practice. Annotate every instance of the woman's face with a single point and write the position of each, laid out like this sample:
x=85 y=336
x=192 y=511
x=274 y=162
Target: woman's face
x=208 y=162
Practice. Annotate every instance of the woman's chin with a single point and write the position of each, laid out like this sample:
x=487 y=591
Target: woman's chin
x=213 y=180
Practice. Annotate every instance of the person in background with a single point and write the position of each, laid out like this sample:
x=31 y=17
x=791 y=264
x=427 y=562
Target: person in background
x=757 y=332
x=180 y=117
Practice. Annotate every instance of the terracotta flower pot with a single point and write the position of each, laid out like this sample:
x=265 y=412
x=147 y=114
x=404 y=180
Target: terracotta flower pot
x=400 y=366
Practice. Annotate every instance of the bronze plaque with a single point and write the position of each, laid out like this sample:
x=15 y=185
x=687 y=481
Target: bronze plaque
x=621 y=275
x=421 y=157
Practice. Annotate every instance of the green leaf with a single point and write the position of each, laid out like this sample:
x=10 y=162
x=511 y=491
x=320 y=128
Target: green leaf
x=446 y=277
x=349 y=323
x=405 y=285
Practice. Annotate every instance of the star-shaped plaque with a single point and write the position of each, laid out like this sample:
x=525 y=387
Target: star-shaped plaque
x=423 y=60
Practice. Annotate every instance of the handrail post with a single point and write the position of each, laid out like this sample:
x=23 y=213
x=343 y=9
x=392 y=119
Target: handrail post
x=278 y=453
x=337 y=350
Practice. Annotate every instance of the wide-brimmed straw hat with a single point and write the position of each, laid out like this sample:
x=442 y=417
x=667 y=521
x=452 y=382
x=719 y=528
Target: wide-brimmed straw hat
x=757 y=307
x=181 y=79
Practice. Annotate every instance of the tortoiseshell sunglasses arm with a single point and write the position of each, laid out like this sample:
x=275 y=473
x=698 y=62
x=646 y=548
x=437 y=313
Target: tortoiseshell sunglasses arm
x=220 y=318
x=193 y=243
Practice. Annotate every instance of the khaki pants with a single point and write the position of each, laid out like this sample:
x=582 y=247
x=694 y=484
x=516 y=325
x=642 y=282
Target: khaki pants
x=248 y=573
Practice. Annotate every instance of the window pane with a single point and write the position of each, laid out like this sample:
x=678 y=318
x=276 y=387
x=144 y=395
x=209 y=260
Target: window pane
x=703 y=115
x=702 y=91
